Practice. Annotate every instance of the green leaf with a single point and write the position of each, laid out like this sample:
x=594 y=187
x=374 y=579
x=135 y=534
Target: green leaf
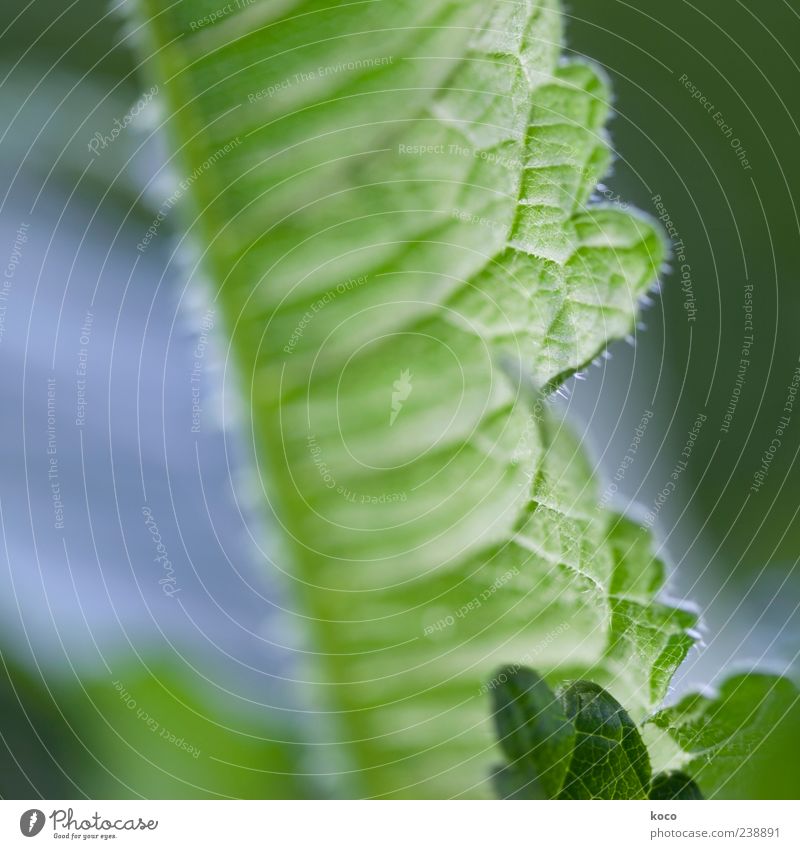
x=581 y=745
x=393 y=203
x=139 y=732
x=610 y=760
x=735 y=744
x=534 y=733
x=674 y=785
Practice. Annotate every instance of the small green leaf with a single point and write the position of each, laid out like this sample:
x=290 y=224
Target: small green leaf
x=610 y=760
x=674 y=785
x=533 y=732
x=735 y=745
x=581 y=745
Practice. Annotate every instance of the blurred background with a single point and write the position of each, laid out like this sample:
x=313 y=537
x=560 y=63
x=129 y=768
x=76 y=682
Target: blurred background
x=124 y=675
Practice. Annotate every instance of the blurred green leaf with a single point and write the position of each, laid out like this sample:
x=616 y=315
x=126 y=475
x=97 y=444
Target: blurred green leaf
x=533 y=731
x=138 y=733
